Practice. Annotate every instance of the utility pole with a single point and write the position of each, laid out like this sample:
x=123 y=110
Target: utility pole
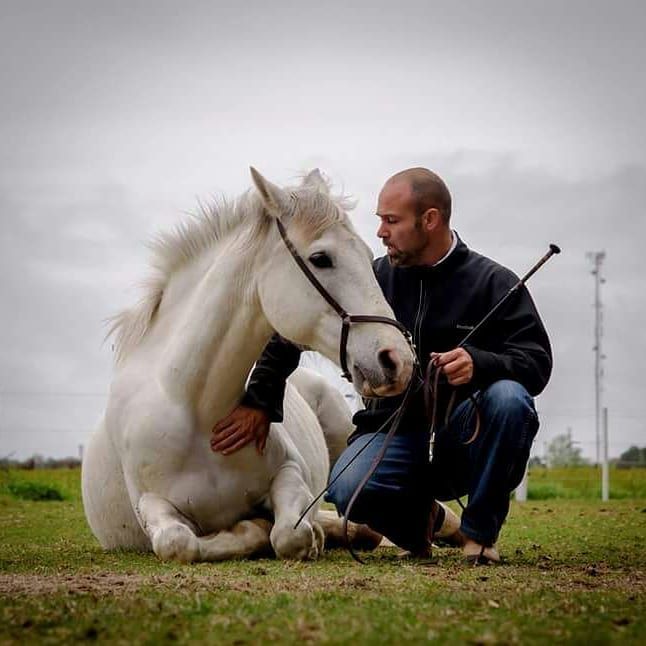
x=605 y=479
x=597 y=258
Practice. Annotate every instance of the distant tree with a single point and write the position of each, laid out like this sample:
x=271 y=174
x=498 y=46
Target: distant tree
x=633 y=457
x=562 y=453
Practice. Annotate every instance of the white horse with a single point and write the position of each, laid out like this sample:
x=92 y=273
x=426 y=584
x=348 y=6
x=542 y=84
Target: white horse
x=329 y=406
x=221 y=286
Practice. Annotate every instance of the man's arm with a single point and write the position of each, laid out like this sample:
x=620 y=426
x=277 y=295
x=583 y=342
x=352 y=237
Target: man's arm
x=262 y=402
x=266 y=387
x=523 y=352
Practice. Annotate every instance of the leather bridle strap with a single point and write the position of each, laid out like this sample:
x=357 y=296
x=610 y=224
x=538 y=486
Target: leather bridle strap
x=346 y=318
x=373 y=467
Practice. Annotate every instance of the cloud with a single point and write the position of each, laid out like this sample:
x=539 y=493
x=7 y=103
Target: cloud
x=114 y=119
x=69 y=259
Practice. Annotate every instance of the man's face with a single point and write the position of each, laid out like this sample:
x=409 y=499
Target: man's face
x=400 y=230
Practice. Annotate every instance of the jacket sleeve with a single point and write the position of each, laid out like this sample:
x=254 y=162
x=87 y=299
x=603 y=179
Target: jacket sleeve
x=522 y=350
x=266 y=387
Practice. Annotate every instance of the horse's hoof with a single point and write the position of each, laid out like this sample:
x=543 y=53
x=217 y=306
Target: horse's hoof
x=362 y=537
x=294 y=544
x=176 y=543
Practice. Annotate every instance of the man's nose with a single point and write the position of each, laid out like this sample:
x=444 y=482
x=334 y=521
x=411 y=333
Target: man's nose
x=382 y=231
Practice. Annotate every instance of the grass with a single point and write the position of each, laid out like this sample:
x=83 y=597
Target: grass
x=585 y=482
x=575 y=572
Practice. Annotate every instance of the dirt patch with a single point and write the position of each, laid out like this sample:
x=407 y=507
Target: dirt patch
x=101 y=583
x=503 y=579
x=111 y=584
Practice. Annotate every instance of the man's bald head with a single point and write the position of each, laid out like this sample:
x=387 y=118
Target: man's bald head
x=428 y=190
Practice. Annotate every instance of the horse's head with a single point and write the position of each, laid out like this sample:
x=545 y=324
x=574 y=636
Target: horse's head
x=379 y=358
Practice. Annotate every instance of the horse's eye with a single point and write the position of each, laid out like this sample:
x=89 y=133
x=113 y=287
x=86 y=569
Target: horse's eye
x=321 y=260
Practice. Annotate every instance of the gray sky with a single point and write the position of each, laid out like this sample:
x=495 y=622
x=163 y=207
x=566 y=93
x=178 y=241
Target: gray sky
x=114 y=119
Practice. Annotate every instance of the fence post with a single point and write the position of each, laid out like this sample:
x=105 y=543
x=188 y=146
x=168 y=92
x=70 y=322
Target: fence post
x=521 y=490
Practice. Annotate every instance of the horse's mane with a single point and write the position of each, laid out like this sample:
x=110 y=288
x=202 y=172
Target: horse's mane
x=173 y=250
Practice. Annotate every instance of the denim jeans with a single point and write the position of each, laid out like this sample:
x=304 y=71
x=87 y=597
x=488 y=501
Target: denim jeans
x=396 y=500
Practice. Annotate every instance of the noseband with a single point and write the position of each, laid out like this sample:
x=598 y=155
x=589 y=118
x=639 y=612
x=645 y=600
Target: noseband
x=346 y=319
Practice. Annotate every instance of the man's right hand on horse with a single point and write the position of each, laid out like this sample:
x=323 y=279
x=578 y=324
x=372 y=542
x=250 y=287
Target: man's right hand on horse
x=241 y=426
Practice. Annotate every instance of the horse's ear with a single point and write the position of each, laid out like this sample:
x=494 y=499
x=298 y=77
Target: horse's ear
x=315 y=179
x=277 y=202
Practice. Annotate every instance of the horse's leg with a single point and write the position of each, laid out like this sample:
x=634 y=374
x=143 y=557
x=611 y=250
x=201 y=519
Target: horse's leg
x=246 y=538
x=290 y=496
x=329 y=406
x=361 y=536
x=172 y=535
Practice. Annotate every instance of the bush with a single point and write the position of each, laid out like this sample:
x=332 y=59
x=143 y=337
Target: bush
x=546 y=491
x=33 y=491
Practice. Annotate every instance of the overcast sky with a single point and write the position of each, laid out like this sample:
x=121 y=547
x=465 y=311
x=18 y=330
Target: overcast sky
x=116 y=117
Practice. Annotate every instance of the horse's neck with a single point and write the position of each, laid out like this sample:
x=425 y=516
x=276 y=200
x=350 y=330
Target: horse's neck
x=216 y=337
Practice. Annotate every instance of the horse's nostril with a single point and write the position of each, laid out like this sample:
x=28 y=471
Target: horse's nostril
x=388 y=360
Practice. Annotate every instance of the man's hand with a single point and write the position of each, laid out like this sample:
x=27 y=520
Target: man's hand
x=238 y=428
x=456 y=364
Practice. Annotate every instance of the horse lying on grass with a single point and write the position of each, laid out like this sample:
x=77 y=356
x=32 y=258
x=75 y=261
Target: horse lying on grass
x=221 y=286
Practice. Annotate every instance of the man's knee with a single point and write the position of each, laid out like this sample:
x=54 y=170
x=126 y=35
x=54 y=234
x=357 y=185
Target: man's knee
x=507 y=396
x=340 y=493
x=510 y=409
x=379 y=492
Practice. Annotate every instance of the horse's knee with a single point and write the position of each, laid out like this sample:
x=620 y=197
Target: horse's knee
x=172 y=535
x=176 y=543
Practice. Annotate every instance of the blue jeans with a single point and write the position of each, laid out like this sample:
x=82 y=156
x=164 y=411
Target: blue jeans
x=396 y=500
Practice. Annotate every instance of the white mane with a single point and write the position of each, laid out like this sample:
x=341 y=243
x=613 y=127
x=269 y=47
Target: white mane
x=190 y=239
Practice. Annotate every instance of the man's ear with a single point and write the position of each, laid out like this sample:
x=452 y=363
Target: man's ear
x=432 y=219
x=315 y=179
x=277 y=202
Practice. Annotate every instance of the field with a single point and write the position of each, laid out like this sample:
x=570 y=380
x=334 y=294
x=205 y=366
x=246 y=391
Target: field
x=575 y=572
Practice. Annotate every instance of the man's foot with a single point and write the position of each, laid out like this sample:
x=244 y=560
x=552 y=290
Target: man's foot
x=446 y=526
x=476 y=554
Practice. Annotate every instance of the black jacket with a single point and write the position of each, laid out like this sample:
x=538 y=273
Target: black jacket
x=439 y=305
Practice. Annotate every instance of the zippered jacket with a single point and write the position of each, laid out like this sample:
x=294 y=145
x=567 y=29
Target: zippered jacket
x=439 y=304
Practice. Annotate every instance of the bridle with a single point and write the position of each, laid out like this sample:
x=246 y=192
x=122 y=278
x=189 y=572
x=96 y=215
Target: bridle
x=346 y=319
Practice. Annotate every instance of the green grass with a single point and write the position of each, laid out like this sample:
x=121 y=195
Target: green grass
x=575 y=572
x=585 y=482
